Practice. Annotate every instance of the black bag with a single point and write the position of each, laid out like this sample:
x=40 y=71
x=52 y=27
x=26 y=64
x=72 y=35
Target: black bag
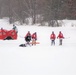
x=22 y=45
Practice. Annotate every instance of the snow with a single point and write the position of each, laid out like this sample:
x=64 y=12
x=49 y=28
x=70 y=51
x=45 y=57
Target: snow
x=70 y=23
x=42 y=59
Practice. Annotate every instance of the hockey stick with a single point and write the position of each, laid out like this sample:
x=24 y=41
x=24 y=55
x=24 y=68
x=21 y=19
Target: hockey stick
x=66 y=37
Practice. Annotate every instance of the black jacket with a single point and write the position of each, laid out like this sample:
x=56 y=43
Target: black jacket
x=28 y=38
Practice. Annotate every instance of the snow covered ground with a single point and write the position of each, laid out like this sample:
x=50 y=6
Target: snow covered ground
x=42 y=59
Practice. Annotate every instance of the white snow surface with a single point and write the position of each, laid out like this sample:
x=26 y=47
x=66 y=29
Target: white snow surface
x=42 y=59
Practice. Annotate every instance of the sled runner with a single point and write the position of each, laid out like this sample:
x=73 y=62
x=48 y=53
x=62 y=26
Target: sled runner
x=34 y=42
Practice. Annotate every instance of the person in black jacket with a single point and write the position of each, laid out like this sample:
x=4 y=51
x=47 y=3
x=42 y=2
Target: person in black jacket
x=28 y=38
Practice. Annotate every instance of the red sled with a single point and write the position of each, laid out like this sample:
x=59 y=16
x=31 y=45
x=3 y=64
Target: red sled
x=8 y=34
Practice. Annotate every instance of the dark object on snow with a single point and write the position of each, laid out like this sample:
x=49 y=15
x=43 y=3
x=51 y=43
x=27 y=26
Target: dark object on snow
x=22 y=45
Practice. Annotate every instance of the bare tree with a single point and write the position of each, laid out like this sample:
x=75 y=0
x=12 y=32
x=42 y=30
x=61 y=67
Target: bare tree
x=39 y=10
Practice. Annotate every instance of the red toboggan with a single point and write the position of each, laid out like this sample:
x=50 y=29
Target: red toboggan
x=8 y=34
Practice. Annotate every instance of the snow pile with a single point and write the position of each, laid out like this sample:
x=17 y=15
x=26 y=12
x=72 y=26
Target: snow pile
x=42 y=59
x=69 y=23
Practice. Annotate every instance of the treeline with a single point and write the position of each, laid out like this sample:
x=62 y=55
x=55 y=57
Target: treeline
x=40 y=11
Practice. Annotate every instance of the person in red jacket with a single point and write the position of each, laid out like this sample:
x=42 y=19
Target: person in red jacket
x=60 y=36
x=34 y=38
x=52 y=37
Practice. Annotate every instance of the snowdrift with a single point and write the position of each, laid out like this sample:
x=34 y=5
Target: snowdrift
x=42 y=59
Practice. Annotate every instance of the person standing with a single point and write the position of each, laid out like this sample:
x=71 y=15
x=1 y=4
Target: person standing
x=34 y=38
x=52 y=38
x=61 y=37
x=15 y=28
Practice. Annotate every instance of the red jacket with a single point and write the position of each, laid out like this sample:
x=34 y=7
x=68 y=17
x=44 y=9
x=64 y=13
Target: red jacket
x=34 y=36
x=52 y=36
x=60 y=36
x=28 y=34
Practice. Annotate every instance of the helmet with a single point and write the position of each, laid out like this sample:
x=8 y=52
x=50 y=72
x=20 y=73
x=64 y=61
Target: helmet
x=52 y=32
